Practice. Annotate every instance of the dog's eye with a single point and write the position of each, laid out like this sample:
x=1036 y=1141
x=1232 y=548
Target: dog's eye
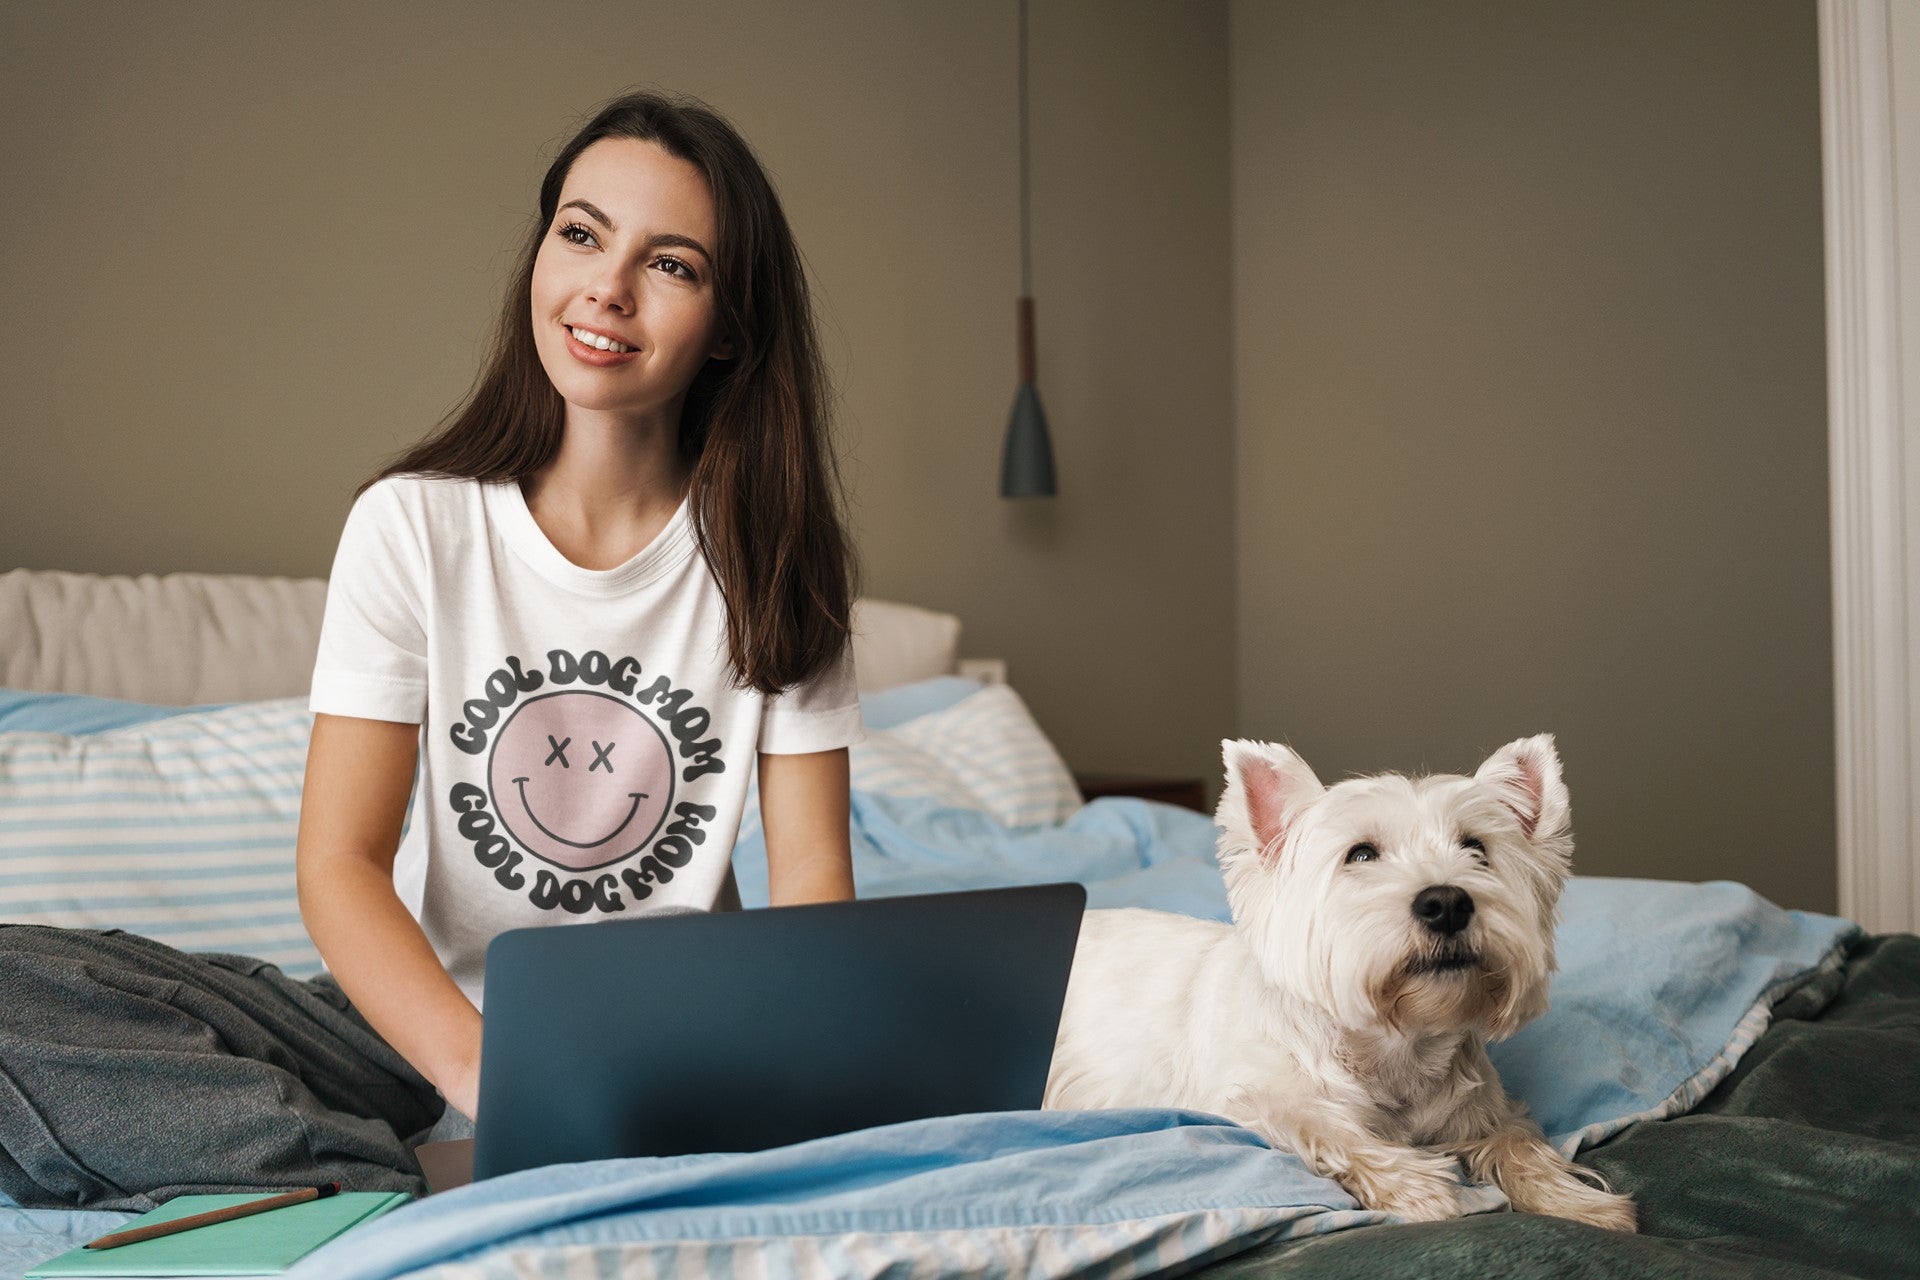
x=1362 y=853
x=1473 y=843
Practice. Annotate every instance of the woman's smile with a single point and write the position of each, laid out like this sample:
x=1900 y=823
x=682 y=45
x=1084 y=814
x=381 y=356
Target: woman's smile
x=594 y=355
x=601 y=338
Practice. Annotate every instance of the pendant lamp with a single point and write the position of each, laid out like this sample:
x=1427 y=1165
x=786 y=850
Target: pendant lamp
x=1026 y=461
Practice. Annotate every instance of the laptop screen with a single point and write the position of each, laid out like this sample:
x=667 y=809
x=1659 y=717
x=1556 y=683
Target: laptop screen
x=753 y=1029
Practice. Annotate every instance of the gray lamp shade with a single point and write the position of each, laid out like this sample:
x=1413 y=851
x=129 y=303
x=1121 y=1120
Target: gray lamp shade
x=1026 y=465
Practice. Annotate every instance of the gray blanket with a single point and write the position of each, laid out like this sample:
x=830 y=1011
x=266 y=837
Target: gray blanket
x=131 y=1072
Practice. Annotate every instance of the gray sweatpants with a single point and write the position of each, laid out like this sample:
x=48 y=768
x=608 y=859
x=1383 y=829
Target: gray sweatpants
x=131 y=1072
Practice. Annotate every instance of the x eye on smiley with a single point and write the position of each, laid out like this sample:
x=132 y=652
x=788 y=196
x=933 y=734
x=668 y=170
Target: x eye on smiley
x=601 y=755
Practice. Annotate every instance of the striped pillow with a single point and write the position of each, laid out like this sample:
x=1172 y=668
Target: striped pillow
x=180 y=829
x=984 y=752
x=994 y=746
x=183 y=829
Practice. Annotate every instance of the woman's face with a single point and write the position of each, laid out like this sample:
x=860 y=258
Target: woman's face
x=630 y=255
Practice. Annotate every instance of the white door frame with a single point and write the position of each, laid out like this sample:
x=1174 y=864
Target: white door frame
x=1875 y=484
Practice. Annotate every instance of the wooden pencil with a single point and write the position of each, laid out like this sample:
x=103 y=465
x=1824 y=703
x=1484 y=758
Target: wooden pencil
x=134 y=1235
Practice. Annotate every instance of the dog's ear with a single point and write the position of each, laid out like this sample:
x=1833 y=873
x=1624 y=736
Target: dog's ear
x=1525 y=774
x=1267 y=788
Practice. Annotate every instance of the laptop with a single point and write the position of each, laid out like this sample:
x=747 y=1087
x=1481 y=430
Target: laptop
x=743 y=1030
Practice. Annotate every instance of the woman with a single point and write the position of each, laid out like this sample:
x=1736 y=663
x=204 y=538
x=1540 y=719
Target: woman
x=608 y=583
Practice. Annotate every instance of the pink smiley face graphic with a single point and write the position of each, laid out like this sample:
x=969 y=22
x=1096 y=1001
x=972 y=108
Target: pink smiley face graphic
x=580 y=779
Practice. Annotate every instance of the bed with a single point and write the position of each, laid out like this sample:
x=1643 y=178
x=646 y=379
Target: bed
x=1749 y=1074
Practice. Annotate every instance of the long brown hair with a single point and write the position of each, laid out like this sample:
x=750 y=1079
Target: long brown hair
x=766 y=490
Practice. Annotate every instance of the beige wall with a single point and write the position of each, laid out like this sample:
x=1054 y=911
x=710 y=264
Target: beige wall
x=1530 y=377
x=254 y=249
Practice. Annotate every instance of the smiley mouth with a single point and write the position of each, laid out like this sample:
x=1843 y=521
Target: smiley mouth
x=638 y=796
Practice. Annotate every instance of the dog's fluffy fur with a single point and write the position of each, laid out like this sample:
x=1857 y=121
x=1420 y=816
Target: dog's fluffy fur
x=1343 y=1014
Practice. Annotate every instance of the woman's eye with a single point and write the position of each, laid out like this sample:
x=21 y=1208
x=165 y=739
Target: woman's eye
x=679 y=268
x=1362 y=853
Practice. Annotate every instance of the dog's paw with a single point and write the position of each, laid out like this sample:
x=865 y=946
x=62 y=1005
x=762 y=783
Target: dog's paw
x=1597 y=1209
x=1419 y=1188
x=1538 y=1179
x=1417 y=1198
x=1564 y=1194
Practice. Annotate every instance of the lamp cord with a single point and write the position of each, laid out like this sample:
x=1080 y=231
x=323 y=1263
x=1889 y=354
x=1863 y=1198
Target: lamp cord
x=1026 y=268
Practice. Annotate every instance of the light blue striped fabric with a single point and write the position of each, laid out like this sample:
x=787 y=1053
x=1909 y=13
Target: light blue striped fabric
x=995 y=747
x=984 y=752
x=181 y=829
x=885 y=708
x=180 y=824
x=32 y=710
x=1010 y=1193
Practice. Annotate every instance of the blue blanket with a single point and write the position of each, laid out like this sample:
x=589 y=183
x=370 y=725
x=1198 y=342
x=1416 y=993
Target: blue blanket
x=1020 y=1192
x=1658 y=981
x=1662 y=986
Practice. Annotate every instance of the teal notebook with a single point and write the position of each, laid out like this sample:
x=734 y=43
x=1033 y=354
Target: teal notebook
x=260 y=1244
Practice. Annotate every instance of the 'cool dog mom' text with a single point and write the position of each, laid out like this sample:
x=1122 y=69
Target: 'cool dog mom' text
x=580 y=778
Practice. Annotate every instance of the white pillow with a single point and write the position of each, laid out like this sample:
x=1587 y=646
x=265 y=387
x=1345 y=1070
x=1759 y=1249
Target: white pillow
x=985 y=752
x=181 y=829
x=178 y=639
x=896 y=644
x=175 y=639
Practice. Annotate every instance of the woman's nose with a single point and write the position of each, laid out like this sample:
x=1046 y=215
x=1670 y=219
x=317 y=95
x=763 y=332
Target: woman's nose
x=610 y=289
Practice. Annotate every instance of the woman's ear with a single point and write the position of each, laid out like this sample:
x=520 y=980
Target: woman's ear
x=722 y=351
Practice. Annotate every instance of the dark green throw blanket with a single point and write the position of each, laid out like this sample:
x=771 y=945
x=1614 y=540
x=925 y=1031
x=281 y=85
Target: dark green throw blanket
x=1805 y=1162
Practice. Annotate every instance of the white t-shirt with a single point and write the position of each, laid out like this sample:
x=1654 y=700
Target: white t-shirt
x=582 y=756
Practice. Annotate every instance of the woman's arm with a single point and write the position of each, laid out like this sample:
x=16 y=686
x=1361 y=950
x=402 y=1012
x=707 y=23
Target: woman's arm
x=358 y=777
x=804 y=808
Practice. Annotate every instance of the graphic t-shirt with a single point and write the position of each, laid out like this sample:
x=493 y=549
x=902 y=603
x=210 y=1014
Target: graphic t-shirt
x=582 y=754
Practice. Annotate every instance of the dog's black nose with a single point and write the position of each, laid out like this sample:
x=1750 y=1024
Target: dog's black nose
x=1443 y=908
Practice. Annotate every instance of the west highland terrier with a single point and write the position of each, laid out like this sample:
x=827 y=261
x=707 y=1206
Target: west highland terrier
x=1383 y=930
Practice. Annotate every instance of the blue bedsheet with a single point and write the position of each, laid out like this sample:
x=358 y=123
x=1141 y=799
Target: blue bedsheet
x=1128 y=853
x=1662 y=986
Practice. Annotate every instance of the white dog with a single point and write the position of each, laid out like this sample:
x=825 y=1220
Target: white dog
x=1382 y=930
